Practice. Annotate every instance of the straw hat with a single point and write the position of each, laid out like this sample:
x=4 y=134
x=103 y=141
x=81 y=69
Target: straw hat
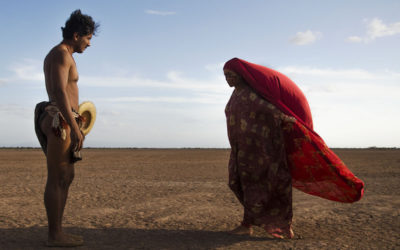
x=88 y=111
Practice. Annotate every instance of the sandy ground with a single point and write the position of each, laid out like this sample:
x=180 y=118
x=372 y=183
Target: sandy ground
x=179 y=199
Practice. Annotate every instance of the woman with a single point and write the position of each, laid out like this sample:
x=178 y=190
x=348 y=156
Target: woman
x=274 y=147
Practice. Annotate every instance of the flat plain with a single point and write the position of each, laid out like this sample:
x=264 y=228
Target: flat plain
x=179 y=199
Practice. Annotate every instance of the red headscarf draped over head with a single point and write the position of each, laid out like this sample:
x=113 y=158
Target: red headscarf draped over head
x=315 y=169
x=274 y=87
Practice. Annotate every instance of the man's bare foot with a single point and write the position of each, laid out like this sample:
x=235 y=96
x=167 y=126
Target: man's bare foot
x=242 y=230
x=65 y=240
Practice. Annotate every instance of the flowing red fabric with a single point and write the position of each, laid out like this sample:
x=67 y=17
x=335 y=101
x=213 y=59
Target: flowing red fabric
x=315 y=168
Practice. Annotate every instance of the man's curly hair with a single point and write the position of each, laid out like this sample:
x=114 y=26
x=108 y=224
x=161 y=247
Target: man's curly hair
x=80 y=23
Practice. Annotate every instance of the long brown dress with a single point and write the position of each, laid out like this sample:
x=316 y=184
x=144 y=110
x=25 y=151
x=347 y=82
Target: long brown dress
x=259 y=174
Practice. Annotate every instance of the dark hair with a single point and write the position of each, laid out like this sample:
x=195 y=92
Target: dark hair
x=80 y=23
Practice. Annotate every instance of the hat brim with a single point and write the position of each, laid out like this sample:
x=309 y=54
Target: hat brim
x=88 y=111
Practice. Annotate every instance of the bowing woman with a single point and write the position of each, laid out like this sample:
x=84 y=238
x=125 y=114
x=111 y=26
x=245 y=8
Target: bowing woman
x=274 y=147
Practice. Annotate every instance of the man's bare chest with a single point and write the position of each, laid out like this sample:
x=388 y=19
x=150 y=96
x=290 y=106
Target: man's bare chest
x=73 y=75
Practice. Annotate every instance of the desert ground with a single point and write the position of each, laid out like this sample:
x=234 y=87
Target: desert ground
x=179 y=199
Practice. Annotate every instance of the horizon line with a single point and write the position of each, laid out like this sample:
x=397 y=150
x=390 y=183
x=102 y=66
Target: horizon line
x=182 y=148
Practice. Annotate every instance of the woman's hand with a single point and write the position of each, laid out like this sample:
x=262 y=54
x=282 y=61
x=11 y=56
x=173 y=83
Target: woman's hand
x=287 y=118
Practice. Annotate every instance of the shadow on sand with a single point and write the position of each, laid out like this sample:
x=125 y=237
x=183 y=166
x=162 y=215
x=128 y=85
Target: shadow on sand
x=125 y=238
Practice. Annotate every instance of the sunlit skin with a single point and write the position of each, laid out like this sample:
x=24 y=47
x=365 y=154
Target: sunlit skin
x=61 y=78
x=82 y=43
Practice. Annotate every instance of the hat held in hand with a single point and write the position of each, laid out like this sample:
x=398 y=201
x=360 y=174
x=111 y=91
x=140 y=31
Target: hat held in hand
x=88 y=111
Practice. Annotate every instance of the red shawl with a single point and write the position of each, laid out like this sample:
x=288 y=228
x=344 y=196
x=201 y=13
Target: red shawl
x=315 y=168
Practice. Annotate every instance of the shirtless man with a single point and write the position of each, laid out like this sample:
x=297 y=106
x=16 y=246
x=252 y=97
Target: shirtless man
x=57 y=123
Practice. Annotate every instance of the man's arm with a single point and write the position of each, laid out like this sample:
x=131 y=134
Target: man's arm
x=59 y=74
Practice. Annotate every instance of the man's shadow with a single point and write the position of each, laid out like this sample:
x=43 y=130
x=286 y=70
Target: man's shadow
x=125 y=238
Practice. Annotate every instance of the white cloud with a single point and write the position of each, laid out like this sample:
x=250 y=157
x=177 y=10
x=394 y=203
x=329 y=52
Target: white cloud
x=307 y=37
x=28 y=69
x=376 y=28
x=354 y=39
x=346 y=103
x=207 y=99
x=349 y=74
x=175 y=89
x=160 y=13
x=351 y=103
x=342 y=102
x=358 y=82
x=174 y=80
x=16 y=110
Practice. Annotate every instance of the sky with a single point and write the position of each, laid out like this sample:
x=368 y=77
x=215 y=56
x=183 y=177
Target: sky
x=154 y=70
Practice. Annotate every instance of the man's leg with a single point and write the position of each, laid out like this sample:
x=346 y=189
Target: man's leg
x=60 y=175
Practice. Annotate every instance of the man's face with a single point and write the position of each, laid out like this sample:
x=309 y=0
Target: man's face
x=82 y=42
x=232 y=78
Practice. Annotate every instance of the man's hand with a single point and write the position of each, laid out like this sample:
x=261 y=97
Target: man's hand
x=77 y=140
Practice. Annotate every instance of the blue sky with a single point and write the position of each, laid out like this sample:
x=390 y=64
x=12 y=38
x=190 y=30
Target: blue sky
x=154 y=71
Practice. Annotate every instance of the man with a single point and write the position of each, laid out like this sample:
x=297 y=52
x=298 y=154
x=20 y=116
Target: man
x=57 y=123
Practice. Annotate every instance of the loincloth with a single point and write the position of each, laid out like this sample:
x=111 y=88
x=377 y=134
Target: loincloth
x=59 y=125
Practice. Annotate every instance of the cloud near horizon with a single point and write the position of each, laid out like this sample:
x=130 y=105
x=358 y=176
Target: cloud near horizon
x=177 y=88
x=164 y=99
x=355 y=73
x=177 y=104
x=329 y=73
x=24 y=70
x=376 y=28
x=305 y=38
x=344 y=82
x=16 y=110
x=174 y=80
x=28 y=69
x=160 y=13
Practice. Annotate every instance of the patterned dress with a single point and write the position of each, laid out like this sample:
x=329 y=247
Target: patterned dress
x=259 y=174
x=315 y=169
